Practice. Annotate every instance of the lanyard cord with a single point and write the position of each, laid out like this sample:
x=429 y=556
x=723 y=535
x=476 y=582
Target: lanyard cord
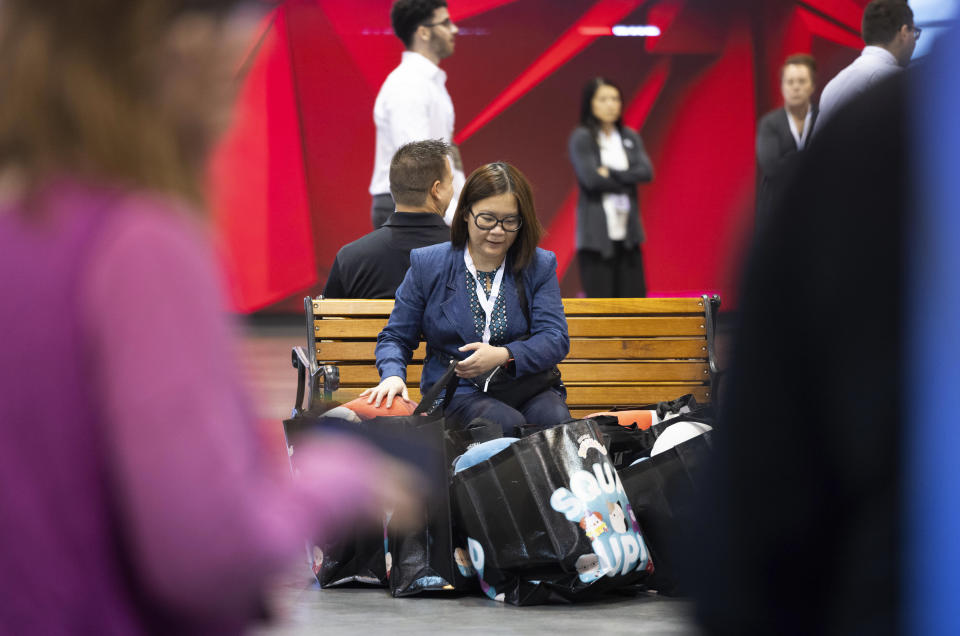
x=485 y=302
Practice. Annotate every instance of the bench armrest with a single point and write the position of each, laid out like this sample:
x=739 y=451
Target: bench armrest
x=307 y=368
x=711 y=306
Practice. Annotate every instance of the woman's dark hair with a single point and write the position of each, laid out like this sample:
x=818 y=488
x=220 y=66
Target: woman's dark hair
x=587 y=117
x=882 y=20
x=406 y=16
x=489 y=181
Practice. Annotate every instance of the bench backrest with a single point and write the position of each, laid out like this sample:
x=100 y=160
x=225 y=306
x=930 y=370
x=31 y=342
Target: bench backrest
x=623 y=351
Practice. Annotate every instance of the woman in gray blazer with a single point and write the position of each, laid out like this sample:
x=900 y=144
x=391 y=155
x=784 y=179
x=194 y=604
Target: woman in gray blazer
x=609 y=161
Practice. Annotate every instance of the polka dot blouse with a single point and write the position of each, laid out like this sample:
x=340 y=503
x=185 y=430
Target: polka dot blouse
x=498 y=319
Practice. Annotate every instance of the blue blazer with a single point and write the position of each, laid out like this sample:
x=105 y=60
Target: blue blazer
x=433 y=301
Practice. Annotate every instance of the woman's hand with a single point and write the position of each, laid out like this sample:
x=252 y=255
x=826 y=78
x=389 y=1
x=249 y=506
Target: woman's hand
x=604 y=172
x=390 y=387
x=483 y=358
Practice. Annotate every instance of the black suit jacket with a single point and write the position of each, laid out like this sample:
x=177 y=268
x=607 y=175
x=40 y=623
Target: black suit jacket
x=776 y=152
x=374 y=265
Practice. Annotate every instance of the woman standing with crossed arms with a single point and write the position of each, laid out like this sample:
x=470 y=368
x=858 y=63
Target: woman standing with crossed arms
x=609 y=161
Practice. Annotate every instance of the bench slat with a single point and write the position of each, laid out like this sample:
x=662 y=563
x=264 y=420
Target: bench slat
x=366 y=374
x=634 y=306
x=571 y=306
x=577 y=327
x=594 y=398
x=580 y=349
x=627 y=349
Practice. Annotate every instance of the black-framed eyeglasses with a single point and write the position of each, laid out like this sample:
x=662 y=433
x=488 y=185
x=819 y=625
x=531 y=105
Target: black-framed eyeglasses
x=446 y=23
x=487 y=221
x=916 y=32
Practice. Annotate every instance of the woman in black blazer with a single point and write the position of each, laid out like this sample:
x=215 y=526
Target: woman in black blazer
x=609 y=161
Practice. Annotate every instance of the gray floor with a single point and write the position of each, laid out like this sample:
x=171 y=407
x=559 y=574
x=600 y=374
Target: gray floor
x=302 y=607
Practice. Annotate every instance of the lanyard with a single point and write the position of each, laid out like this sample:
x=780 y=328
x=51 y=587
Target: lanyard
x=485 y=303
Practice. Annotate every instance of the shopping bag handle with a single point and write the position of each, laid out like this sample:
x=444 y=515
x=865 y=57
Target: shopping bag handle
x=448 y=382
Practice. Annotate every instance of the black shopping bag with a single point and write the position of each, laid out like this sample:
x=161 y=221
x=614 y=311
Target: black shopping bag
x=359 y=556
x=354 y=557
x=432 y=558
x=663 y=492
x=629 y=438
x=548 y=519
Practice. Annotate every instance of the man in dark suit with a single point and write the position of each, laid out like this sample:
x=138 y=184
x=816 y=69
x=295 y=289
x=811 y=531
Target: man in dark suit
x=784 y=132
x=374 y=265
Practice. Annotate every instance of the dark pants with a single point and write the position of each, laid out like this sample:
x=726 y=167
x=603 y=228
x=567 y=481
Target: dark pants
x=620 y=276
x=543 y=410
x=381 y=209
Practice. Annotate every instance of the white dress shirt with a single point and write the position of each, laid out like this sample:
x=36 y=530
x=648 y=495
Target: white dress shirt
x=800 y=138
x=615 y=206
x=874 y=64
x=412 y=105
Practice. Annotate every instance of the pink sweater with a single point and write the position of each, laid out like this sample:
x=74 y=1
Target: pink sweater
x=134 y=494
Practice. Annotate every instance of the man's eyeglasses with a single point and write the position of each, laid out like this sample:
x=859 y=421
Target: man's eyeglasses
x=916 y=32
x=447 y=23
x=487 y=221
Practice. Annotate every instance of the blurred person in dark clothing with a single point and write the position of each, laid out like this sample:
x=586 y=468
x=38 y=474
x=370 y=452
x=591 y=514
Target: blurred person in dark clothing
x=136 y=496
x=784 y=132
x=421 y=183
x=804 y=508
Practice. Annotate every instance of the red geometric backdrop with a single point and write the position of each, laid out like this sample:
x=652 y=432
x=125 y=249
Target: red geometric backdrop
x=288 y=184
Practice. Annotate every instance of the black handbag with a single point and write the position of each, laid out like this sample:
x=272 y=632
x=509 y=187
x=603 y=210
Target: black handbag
x=516 y=391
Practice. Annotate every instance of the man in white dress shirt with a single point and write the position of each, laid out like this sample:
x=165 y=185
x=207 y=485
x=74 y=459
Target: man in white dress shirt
x=413 y=103
x=890 y=36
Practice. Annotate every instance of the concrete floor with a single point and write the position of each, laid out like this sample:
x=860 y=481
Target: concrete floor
x=301 y=607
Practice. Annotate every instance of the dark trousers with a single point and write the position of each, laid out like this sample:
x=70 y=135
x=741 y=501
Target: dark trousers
x=620 y=276
x=543 y=410
x=381 y=209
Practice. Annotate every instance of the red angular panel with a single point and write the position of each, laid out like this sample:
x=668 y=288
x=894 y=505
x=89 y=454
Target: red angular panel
x=257 y=190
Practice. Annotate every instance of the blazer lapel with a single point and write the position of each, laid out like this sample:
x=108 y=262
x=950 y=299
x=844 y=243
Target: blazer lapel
x=456 y=305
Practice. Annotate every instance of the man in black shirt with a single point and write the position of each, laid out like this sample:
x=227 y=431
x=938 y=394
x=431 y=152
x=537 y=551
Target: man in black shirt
x=374 y=265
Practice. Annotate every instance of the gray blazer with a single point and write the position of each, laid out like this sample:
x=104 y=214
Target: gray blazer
x=591 y=221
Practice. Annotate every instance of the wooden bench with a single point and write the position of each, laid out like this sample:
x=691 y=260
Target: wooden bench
x=623 y=351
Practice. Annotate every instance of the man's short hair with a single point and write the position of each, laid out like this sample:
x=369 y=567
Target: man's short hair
x=801 y=59
x=414 y=169
x=406 y=16
x=882 y=20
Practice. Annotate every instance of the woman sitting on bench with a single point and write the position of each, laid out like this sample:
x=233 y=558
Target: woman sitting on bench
x=489 y=298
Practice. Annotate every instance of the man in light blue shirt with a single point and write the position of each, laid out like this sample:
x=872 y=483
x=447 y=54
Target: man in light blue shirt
x=890 y=36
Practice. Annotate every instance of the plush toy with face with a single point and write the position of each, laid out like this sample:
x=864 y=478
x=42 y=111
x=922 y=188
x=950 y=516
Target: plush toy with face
x=588 y=567
x=633 y=519
x=593 y=524
x=617 y=519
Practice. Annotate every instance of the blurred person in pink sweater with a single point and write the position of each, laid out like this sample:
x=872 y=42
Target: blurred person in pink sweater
x=135 y=497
